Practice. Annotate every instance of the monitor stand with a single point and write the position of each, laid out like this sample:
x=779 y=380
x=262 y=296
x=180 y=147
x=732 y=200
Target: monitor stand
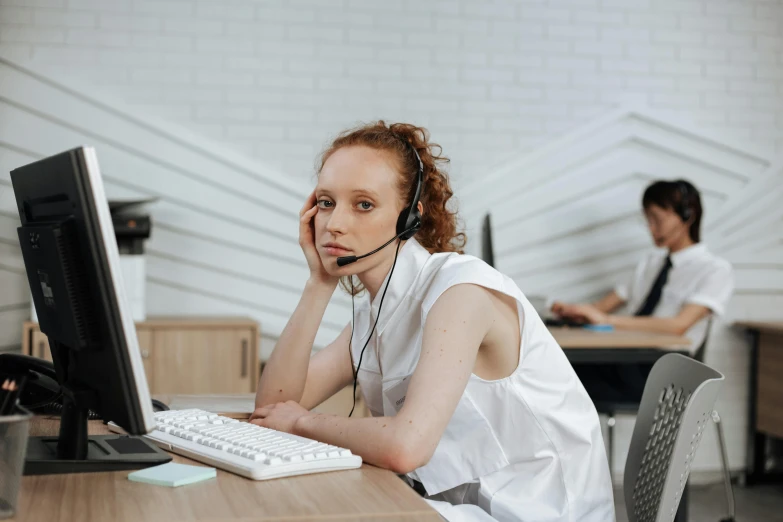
x=76 y=452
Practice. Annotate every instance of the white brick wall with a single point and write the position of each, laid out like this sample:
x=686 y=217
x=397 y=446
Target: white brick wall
x=276 y=79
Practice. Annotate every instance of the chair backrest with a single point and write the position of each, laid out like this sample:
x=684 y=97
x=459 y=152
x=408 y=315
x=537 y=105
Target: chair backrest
x=701 y=351
x=676 y=405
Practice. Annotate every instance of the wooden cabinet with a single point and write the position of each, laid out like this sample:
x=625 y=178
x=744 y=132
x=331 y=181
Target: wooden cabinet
x=39 y=346
x=186 y=355
x=769 y=386
x=197 y=366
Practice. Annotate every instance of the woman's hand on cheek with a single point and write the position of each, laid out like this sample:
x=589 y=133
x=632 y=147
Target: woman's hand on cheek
x=282 y=416
x=307 y=242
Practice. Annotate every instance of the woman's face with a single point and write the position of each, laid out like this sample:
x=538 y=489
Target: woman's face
x=666 y=226
x=358 y=206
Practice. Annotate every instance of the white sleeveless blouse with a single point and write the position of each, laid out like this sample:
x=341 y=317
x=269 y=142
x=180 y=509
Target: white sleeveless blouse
x=524 y=448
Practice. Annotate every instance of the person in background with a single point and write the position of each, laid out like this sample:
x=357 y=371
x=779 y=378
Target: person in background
x=673 y=290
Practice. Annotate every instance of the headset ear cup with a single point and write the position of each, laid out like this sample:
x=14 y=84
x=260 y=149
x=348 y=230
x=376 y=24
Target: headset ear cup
x=409 y=222
x=402 y=221
x=685 y=208
x=414 y=224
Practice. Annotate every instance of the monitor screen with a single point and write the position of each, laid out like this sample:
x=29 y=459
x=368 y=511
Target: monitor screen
x=72 y=264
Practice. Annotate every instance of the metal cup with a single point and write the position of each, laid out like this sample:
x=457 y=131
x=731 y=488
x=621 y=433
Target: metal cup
x=14 y=431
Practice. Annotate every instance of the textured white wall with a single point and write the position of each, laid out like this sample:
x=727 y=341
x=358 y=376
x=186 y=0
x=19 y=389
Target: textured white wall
x=224 y=238
x=275 y=79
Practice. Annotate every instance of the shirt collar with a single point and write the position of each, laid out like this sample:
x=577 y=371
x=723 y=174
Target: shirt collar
x=688 y=254
x=410 y=261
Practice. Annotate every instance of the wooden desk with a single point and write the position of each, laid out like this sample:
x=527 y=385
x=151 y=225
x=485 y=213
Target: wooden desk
x=765 y=406
x=368 y=493
x=241 y=405
x=616 y=347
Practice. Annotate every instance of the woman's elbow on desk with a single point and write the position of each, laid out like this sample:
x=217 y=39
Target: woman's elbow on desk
x=401 y=458
x=407 y=451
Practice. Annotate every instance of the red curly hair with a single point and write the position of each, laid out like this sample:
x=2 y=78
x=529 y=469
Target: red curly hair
x=438 y=232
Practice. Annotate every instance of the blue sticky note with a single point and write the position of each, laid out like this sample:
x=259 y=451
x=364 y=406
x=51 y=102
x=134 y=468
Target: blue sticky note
x=173 y=474
x=599 y=327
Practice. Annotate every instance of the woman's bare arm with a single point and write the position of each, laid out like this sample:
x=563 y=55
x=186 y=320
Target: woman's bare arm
x=286 y=373
x=455 y=328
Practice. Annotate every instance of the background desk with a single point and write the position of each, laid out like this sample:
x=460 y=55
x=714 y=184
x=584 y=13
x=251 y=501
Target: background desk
x=765 y=409
x=616 y=347
x=368 y=493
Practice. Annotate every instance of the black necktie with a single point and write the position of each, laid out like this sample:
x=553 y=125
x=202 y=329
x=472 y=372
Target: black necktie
x=654 y=296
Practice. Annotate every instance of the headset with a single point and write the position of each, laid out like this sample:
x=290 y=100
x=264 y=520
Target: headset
x=684 y=209
x=408 y=224
x=409 y=221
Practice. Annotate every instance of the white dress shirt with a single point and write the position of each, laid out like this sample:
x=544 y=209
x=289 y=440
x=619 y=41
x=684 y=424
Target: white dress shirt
x=524 y=448
x=697 y=276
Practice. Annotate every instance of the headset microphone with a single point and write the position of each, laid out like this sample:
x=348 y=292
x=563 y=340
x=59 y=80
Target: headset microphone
x=347 y=260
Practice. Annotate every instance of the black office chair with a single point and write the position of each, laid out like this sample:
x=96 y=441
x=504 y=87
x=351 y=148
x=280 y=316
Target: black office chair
x=613 y=408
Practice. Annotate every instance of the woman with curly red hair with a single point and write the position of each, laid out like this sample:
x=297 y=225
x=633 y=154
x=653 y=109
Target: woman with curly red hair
x=472 y=400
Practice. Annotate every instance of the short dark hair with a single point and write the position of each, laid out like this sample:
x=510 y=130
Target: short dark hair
x=681 y=197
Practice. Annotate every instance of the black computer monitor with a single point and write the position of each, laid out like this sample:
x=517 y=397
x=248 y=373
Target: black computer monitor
x=487 y=254
x=72 y=263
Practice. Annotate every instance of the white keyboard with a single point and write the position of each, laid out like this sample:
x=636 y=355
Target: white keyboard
x=243 y=448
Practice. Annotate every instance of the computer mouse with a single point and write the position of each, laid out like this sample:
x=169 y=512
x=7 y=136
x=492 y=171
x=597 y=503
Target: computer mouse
x=158 y=405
